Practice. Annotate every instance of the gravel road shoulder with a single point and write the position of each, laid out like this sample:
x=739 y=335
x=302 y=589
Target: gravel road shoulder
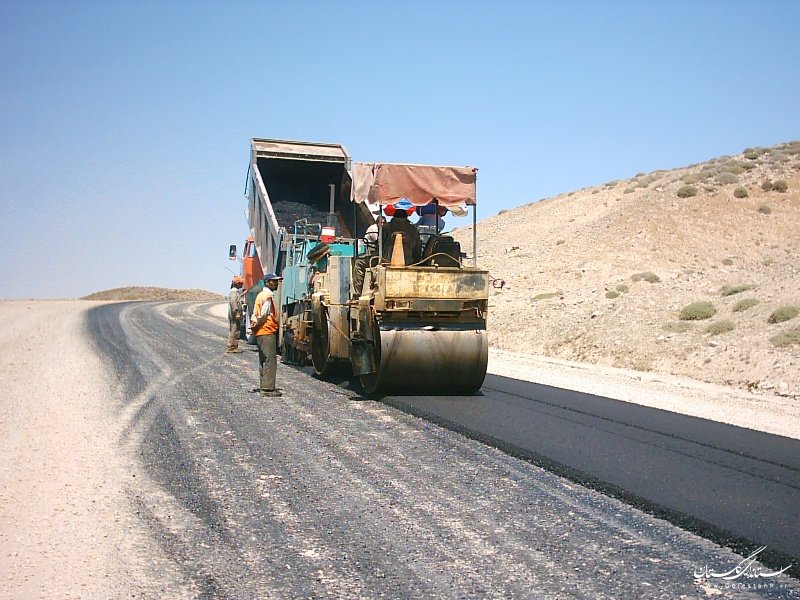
x=66 y=526
x=769 y=413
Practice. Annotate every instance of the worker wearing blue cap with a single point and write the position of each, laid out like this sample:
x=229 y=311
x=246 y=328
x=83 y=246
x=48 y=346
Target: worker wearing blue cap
x=264 y=323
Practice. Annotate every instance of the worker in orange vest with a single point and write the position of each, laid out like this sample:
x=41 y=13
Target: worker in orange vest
x=264 y=323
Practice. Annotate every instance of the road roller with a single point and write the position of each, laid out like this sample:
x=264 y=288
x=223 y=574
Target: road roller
x=404 y=310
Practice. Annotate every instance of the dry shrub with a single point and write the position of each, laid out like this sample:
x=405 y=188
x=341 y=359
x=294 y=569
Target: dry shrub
x=679 y=327
x=645 y=276
x=730 y=290
x=780 y=186
x=697 y=311
x=727 y=178
x=745 y=304
x=754 y=153
x=784 y=313
x=787 y=338
x=547 y=296
x=720 y=327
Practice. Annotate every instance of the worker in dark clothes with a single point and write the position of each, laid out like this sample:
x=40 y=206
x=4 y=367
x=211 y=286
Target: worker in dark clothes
x=371 y=250
x=412 y=246
x=235 y=313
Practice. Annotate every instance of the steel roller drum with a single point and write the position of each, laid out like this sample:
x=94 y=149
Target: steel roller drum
x=429 y=360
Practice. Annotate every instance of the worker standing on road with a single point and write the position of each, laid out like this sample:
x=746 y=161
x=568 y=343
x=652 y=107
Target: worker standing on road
x=264 y=323
x=235 y=313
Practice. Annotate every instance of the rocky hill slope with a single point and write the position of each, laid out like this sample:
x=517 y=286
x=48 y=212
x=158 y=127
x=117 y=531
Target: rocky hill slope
x=693 y=271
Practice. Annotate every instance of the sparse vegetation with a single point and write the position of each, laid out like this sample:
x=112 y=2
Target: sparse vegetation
x=645 y=276
x=754 y=153
x=766 y=185
x=713 y=247
x=687 y=191
x=720 y=327
x=780 y=186
x=691 y=178
x=678 y=327
x=784 y=313
x=787 y=338
x=697 y=311
x=744 y=304
x=547 y=296
x=727 y=178
x=730 y=290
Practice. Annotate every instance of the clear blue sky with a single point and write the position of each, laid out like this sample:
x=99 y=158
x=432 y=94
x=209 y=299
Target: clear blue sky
x=125 y=126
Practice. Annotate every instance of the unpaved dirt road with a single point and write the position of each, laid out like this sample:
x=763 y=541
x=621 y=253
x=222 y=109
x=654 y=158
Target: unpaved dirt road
x=137 y=461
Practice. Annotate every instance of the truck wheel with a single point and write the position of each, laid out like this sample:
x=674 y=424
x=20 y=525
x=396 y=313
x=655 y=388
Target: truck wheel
x=325 y=365
x=320 y=348
x=289 y=353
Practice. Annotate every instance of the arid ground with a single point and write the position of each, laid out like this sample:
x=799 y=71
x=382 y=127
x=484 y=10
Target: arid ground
x=601 y=275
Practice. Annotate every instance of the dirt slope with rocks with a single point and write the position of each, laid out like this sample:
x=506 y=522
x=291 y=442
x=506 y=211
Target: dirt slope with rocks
x=601 y=275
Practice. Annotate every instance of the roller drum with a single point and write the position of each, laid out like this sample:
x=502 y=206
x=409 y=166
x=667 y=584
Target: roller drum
x=429 y=359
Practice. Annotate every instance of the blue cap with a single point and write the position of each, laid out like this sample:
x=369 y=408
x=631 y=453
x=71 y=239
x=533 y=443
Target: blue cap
x=404 y=204
x=272 y=277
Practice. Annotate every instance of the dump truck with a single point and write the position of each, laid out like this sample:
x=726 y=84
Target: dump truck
x=251 y=274
x=417 y=324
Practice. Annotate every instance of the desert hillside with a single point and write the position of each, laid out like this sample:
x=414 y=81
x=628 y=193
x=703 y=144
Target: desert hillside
x=693 y=271
x=153 y=293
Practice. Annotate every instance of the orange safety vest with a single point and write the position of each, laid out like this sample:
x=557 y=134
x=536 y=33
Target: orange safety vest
x=270 y=326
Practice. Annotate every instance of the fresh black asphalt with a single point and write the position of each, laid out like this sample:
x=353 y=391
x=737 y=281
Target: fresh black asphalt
x=738 y=486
